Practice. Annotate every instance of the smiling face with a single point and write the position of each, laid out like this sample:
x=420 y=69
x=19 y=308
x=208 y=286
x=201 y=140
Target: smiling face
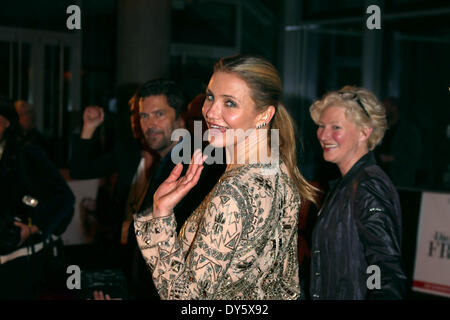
x=228 y=105
x=342 y=141
x=158 y=120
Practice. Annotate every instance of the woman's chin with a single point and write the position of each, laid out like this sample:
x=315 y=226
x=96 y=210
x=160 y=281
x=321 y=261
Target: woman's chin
x=216 y=141
x=328 y=157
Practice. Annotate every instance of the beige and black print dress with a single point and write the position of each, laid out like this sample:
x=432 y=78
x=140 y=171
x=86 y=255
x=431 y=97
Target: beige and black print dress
x=240 y=243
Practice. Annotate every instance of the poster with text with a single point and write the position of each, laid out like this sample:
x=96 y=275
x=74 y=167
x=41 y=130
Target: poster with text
x=432 y=266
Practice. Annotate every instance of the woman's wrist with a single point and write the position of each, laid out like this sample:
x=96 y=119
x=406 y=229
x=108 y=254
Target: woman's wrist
x=160 y=213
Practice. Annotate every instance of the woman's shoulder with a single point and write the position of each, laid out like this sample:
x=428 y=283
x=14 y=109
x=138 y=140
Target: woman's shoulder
x=375 y=182
x=374 y=175
x=248 y=172
x=271 y=177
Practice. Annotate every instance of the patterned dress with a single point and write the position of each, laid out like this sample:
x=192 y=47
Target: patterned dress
x=240 y=243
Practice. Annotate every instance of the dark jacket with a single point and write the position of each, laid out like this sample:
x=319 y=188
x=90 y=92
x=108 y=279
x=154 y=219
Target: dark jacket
x=88 y=163
x=27 y=171
x=358 y=226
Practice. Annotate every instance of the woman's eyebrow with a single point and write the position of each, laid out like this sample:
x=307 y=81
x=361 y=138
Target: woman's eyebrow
x=208 y=91
x=230 y=96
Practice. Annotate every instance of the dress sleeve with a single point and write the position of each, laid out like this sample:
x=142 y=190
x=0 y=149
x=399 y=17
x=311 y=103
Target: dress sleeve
x=379 y=227
x=192 y=265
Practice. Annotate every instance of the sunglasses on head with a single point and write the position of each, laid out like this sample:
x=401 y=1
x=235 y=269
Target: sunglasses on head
x=353 y=96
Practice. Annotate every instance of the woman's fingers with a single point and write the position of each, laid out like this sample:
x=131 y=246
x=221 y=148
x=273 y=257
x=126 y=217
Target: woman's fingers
x=189 y=184
x=194 y=160
x=192 y=175
x=193 y=171
x=193 y=168
x=190 y=169
x=198 y=157
x=175 y=188
x=175 y=174
x=194 y=180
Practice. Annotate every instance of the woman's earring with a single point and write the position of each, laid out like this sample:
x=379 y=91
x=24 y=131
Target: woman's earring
x=261 y=125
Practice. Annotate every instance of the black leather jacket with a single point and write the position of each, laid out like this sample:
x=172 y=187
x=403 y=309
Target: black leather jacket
x=358 y=226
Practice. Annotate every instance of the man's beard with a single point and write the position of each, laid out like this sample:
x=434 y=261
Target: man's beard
x=156 y=144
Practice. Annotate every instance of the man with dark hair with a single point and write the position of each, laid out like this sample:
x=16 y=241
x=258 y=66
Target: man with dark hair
x=161 y=104
x=159 y=87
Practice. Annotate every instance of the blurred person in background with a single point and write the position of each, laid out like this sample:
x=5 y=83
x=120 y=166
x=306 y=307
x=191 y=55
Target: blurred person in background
x=399 y=153
x=27 y=131
x=37 y=205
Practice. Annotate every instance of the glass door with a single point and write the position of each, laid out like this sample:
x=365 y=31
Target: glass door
x=43 y=68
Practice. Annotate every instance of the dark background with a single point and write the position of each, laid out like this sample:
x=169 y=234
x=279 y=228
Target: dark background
x=317 y=45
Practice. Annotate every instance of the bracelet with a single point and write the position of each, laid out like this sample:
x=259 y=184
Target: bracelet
x=164 y=216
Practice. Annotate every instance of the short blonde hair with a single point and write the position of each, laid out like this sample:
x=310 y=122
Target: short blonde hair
x=361 y=107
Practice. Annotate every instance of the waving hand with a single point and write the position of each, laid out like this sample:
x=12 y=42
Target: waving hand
x=174 y=188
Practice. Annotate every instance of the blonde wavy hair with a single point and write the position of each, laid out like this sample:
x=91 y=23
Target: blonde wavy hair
x=361 y=107
x=265 y=85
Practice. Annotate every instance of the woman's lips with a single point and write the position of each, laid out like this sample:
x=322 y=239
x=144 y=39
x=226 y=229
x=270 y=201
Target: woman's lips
x=329 y=147
x=215 y=129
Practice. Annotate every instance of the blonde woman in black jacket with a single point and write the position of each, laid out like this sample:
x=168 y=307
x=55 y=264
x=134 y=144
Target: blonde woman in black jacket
x=356 y=243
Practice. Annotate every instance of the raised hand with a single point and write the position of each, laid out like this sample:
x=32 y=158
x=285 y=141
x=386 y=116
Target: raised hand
x=174 y=188
x=93 y=116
